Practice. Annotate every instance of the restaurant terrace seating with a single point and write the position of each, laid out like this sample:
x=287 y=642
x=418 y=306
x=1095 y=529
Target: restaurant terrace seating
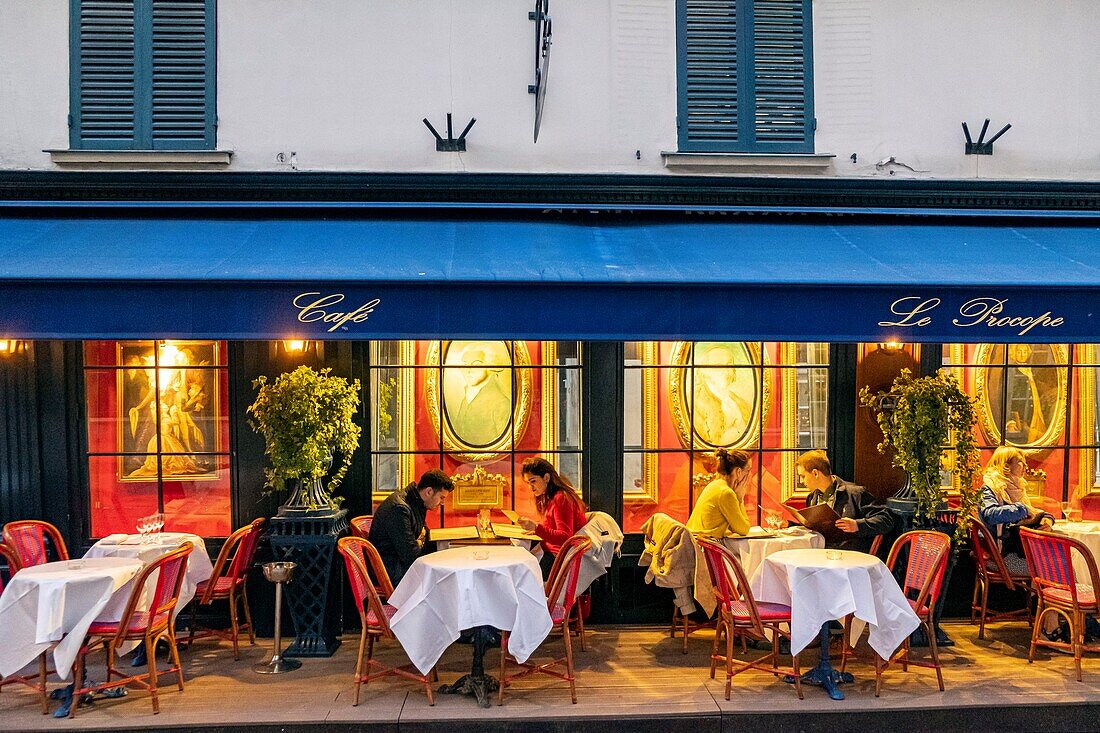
x=31 y=539
x=928 y=553
x=991 y=570
x=229 y=581
x=360 y=526
x=146 y=627
x=36 y=682
x=561 y=590
x=740 y=613
x=374 y=617
x=1060 y=591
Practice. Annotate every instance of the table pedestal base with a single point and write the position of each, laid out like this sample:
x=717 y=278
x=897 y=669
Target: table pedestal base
x=477 y=683
x=824 y=674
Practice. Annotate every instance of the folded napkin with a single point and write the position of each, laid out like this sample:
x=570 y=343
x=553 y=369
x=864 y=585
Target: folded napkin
x=114 y=539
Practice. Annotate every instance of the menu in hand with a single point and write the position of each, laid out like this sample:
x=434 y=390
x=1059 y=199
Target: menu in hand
x=820 y=518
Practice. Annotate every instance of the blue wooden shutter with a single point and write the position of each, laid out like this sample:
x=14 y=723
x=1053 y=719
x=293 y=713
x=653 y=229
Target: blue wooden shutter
x=104 y=75
x=745 y=75
x=144 y=73
x=182 y=107
x=783 y=116
x=708 y=74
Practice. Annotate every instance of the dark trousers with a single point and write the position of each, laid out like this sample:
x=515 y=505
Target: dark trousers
x=545 y=563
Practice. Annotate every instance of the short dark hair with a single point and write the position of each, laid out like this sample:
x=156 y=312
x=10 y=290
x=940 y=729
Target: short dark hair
x=435 y=480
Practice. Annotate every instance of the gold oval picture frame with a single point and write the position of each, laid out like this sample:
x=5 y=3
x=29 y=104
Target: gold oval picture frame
x=1037 y=375
x=474 y=401
x=730 y=404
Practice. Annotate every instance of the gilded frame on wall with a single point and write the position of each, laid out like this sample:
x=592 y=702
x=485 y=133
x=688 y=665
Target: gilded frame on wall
x=177 y=389
x=1045 y=425
x=649 y=491
x=472 y=400
x=478 y=490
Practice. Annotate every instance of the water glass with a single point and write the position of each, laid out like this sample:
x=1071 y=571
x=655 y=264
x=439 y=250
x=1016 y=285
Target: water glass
x=832 y=554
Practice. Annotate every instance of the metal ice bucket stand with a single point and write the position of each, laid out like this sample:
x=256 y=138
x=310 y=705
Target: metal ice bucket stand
x=278 y=573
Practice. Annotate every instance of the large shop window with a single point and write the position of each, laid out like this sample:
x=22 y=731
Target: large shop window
x=158 y=435
x=143 y=75
x=476 y=410
x=1043 y=399
x=683 y=400
x=745 y=79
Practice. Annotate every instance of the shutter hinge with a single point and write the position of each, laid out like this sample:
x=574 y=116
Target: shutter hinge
x=815 y=124
x=70 y=121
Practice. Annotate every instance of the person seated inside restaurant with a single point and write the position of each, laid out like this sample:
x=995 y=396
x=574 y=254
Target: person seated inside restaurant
x=559 y=505
x=1006 y=507
x=861 y=518
x=400 y=531
x=720 y=509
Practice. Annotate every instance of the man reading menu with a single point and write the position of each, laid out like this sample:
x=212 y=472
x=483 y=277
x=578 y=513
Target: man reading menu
x=859 y=519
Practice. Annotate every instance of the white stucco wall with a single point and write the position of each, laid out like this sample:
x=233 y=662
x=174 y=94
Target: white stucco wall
x=343 y=84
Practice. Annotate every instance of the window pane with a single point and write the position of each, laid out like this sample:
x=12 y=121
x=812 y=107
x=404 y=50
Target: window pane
x=200 y=507
x=117 y=504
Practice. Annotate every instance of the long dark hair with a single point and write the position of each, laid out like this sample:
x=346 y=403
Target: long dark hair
x=541 y=467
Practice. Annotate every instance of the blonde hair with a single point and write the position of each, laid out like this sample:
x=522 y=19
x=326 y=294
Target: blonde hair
x=817 y=460
x=998 y=477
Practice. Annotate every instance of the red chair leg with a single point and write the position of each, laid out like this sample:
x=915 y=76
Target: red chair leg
x=359 y=664
x=247 y=615
x=233 y=625
x=569 y=661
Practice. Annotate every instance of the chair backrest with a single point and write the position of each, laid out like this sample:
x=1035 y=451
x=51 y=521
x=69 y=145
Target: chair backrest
x=11 y=559
x=729 y=581
x=561 y=586
x=28 y=537
x=1050 y=560
x=360 y=526
x=172 y=567
x=354 y=550
x=928 y=555
x=244 y=541
x=987 y=556
x=376 y=569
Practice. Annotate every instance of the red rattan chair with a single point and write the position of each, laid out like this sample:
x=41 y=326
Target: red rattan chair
x=229 y=582
x=561 y=595
x=28 y=538
x=927 y=562
x=1050 y=559
x=148 y=627
x=36 y=682
x=360 y=526
x=740 y=613
x=374 y=615
x=991 y=570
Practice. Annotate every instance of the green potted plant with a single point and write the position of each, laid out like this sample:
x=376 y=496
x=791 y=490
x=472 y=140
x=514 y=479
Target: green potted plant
x=921 y=419
x=306 y=418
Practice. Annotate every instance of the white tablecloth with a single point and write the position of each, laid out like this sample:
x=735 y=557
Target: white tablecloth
x=819 y=590
x=750 y=552
x=45 y=602
x=1087 y=533
x=446 y=592
x=199 y=567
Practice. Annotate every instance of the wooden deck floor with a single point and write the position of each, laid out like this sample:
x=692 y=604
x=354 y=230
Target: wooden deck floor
x=631 y=678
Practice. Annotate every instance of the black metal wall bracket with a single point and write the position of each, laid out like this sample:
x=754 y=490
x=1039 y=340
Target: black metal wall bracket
x=451 y=144
x=983 y=146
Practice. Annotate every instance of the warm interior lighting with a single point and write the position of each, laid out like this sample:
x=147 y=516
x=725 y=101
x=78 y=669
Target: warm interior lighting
x=891 y=346
x=11 y=347
x=295 y=346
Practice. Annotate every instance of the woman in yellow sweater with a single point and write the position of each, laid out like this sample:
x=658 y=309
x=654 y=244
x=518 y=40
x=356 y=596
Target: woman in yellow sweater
x=720 y=509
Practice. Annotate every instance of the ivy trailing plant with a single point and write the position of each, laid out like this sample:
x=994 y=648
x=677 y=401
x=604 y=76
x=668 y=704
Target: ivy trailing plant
x=306 y=417
x=921 y=418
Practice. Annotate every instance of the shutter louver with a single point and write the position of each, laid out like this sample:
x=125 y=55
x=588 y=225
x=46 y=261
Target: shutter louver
x=711 y=71
x=106 y=75
x=180 y=117
x=780 y=72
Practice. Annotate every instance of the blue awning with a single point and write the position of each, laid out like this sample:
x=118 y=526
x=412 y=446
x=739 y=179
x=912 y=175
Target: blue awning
x=542 y=277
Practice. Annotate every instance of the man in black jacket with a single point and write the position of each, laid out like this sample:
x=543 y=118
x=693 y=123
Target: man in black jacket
x=861 y=520
x=399 y=531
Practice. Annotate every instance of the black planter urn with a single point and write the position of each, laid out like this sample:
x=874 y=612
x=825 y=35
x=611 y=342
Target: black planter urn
x=313 y=597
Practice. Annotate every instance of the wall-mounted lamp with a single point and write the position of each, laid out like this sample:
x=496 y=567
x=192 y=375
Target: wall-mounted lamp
x=12 y=347
x=891 y=346
x=297 y=349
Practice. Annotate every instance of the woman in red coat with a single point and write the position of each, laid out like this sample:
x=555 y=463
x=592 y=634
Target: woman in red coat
x=560 y=505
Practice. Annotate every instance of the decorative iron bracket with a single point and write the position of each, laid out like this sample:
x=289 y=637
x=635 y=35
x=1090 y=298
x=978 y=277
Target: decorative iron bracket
x=983 y=146
x=451 y=144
